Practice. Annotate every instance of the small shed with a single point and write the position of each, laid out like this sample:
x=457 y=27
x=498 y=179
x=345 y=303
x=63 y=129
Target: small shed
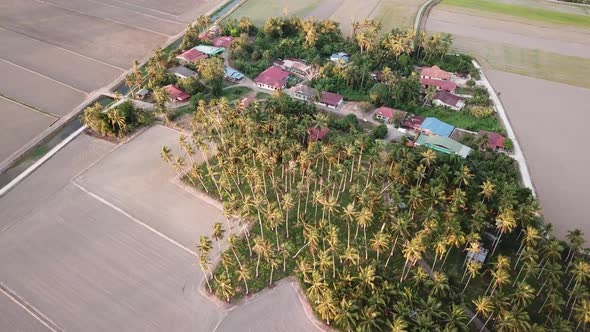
x=340 y=57
x=390 y=115
x=182 y=72
x=142 y=94
x=233 y=75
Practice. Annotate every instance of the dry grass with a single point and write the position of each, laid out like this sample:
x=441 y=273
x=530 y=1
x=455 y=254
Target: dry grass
x=396 y=13
x=260 y=10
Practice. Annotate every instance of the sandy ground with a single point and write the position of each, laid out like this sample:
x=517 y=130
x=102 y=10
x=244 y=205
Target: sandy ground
x=549 y=119
x=24 y=125
x=91 y=258
x=268 y=309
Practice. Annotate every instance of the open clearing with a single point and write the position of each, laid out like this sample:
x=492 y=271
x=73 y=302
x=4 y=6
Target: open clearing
x=57 y=53
x=392 y=13
x=24 y=124
x=101 y=239
x=549 y=119
x=519 y=45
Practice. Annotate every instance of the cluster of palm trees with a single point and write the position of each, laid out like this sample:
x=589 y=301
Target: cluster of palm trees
x=380 y=236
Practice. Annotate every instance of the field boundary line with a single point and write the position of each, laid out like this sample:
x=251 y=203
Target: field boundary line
x=137 y=12
x=65 y=49
x=4 y=190
x=101 y=18
x=29 y=308
x=148 y=8
x=33 y=109
x=132 y=218
x=44 y=76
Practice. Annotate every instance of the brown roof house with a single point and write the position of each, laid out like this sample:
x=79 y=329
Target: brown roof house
x=413 y=122
x=175 y=94
x=438 y=84
x=295 y=66
x=317 y=134
x=223 y=41
x=330 y=99
x=390 y=115
x=495 y=140
x=435 y=73
x=447 y=99
x=273 y=78
x=191 y=56
x=302 y=92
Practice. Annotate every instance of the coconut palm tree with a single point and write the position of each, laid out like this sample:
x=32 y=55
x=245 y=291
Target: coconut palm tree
x=379 y=243
x=224 y=288
x=218 y=234
x=505 y=223
x=439 y=284
x=484 y=306
x=487 y=190
x=244 y=276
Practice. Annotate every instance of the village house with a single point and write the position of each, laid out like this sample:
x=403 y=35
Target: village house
x=447 y=99
x=213 y=32
x=232 y=75
x=443 y=144
x=302 y=92
x=433 y=126
x=413 y=122
x=330 y=99
x=317 y=134
x=435 y=73
x=209 y=50
x=438 y=84
x=182 y=72
x=223 y=41
x=273 y=78
x=176 y=95
x=294 y=66
x=495 y=140
x=191 y=56
x=142 y=94
x=390 y=115
x=340 y=57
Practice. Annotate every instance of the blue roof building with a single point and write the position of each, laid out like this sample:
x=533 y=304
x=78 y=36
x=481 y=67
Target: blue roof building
x=232 y=74
x=434 y=126
x=340 y=57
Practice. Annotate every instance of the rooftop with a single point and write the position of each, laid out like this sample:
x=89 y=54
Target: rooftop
x=303 y=90
x=273 y=76
x=233 y=74
x=443 y=144
x=331 y=98
x=389 y=112
x=414 y=122
x=448 y=98
x=340 y=56
x=495 y=140
x=317 y=134
x=223 y=41
x=175 y=93
x=444 y=85
x=209 y=50
x=182 y=71
x=437 y=127
x=192 y=55
x=436 y=73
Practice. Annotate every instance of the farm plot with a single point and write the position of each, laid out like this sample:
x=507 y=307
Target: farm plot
x=260 y=10
x=518 y=45
x=15 y=318
x=19 y=125
x=549 y=119
x=106 y=41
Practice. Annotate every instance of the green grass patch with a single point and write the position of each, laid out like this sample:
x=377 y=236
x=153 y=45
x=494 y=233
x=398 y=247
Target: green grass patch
x=460 y=119
x=236 y=93
x=537 y=14
x=262 y=95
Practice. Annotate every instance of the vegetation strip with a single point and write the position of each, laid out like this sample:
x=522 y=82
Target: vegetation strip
x=537 y=14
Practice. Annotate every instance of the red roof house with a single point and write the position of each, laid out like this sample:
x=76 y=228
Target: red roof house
x=435 y=73
x=191 y=55
x=389 y=114
x=175 y=94
x=223 y=41
x=413 y=122
x=273 y=78
x=438 y=84
x=495 y=140
x=330 y=99
x=317 y=134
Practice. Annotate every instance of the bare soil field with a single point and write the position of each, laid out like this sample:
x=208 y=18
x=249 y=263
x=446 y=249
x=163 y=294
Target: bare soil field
x=106 y=41
x=15 y=318
x=549 y=119
x=24 y=124
x=37 y=91
x=539 y=49
x=91 y=262
x=63 y=66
